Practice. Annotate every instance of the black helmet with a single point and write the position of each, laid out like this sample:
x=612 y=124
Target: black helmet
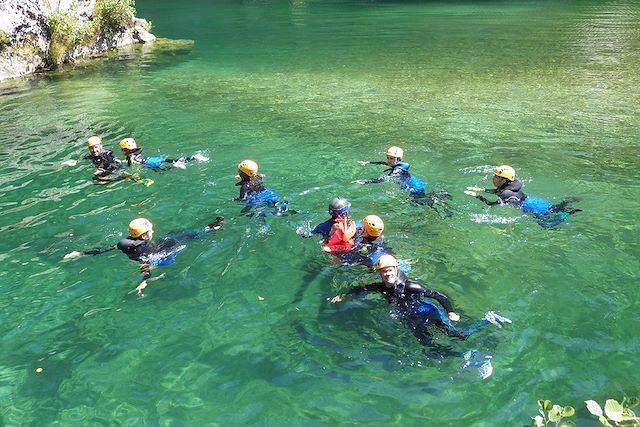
x=338 y=206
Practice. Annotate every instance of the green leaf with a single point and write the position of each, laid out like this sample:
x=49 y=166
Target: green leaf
x=632 y=401
x=568 y=411
x=555 y=414
x=594 y=408
x=545 y=405
x=567 y=424
x=613 y=409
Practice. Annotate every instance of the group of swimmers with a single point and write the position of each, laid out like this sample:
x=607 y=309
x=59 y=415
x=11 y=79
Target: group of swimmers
x=351 y=242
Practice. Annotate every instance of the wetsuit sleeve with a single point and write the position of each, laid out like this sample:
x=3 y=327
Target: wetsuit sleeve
x=323 y=228
x=416 y=288
x=491 y=190
x=488 y=202
x=356 y=290
x=377 y=162
x=97 y=251
x=244 y=189
x=383 y=178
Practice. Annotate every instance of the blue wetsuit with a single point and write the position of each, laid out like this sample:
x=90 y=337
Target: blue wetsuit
x=407 y=297
x=256 y=196
x=547 y=214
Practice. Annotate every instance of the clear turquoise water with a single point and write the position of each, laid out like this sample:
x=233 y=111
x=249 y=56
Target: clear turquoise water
x=306 y=89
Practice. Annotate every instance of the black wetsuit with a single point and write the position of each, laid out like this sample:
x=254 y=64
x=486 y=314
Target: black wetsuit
x=105 y=160
x=106 y=164
x=136 y=249
x=250 y=184
x=509 y=192
x=406 y=297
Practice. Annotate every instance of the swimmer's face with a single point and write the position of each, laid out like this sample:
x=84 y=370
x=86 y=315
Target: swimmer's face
x=498 y=181
x=389 y=275
x=341 y=217
x=148 y=235
x=95 y=149
x=391 y=160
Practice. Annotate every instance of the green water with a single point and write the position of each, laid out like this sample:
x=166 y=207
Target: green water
x=307 y=88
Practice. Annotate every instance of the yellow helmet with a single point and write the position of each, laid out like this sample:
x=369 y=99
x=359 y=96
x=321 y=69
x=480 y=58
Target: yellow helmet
x=505 y=172
x=373 y=225
x=249 y=167
x=94 y=140
x=139 y=226
x=386 y=261
x=128 y=144
x=395 y=152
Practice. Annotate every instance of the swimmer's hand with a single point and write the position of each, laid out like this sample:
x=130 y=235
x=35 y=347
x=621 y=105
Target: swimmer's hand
x=215 y=225
x=179 y=164
x=471 y=193
x=69 y=162
x=359 y=182
x=363 y=162
x=475 y=189
x=326 y=249
x=140 y=287
x=453 y=316
x=337 y=298
x=72 y=255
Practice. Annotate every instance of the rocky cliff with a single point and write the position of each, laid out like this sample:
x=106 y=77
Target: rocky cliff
x=39 y=34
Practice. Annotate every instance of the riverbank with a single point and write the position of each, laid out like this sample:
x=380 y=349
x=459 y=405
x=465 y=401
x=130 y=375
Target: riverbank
x=38 y=35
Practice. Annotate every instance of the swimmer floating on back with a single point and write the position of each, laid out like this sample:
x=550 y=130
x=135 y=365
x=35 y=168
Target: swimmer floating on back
x=509 y=191
x=407 y=298
x=138 y=247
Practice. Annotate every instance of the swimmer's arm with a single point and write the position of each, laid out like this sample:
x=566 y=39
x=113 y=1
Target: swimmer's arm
x=487 y=201
x=371 y=162
x=473 y=193
x=146 y=280
x=441 y=298
x=96 y=251
x=370 y=181
x=356 y=290
x=145 y=269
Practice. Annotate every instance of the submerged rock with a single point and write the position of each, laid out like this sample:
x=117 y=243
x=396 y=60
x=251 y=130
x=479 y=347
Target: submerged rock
x=26 y=34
